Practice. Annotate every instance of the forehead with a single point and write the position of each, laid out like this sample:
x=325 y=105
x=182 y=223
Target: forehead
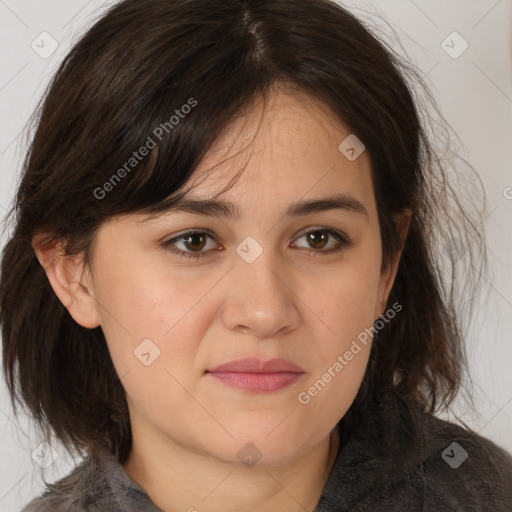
x=287 y=148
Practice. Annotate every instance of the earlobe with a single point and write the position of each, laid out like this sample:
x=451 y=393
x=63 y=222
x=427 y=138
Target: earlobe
x=69 y=282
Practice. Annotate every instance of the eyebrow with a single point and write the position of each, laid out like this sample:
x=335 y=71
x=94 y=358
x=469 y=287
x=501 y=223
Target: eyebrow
x=214 y=208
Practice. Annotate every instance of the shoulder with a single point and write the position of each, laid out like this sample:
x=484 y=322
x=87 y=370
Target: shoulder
x=401 y=458
x=84 y=489
x=461 y=467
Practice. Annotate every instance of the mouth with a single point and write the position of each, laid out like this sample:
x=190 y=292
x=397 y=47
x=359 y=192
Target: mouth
x=257 y=376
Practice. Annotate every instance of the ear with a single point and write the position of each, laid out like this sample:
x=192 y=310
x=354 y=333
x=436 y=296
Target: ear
x=70 y=281
x=402 y=222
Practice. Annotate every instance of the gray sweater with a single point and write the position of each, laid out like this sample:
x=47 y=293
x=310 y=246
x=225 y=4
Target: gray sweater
x=380 y=466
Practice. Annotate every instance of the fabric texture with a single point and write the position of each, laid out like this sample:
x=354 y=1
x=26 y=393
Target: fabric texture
x=383 y=464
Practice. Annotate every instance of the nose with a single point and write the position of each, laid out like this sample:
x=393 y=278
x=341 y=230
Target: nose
x=260 y=299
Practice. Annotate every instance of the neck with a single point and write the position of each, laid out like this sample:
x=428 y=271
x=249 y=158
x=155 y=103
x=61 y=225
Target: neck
x=177 y=479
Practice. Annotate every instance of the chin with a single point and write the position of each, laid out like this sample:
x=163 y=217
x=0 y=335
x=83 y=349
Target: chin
x=262 y=448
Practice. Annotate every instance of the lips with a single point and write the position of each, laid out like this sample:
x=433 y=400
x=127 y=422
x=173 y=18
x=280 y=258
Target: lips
x=255 y=375
x=254 y=365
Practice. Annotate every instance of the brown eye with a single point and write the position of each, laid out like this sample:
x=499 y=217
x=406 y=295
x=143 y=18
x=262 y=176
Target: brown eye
x=192 y=244
x=195 y=241
x=317 y=239
x=320 y=240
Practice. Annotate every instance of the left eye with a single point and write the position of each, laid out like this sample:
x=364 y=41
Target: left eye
x=194 y=243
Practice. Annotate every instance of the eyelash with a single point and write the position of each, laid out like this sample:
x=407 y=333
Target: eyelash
x=340 y=237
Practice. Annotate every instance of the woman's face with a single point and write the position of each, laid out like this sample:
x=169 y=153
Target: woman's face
x=280 y=279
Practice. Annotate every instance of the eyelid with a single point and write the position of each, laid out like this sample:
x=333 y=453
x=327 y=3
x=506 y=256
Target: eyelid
x=334 y=231
x=168 y=244
x=342 y=238
x=191 y=231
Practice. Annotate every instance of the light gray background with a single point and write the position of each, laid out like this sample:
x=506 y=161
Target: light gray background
x=474 y=92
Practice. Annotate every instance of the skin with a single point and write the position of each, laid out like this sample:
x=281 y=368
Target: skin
x=187 y=426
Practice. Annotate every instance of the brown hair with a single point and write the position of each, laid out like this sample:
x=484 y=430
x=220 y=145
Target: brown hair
x=128 y=75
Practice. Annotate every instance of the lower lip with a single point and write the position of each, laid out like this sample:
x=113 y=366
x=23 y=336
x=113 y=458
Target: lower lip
x=257 y=382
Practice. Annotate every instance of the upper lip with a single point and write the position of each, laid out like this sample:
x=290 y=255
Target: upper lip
x=255 y=365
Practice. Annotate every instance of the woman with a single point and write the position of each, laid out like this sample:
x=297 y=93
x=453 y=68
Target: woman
x=221 y=288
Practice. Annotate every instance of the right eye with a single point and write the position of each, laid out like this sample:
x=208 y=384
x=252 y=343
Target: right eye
x=192 y=244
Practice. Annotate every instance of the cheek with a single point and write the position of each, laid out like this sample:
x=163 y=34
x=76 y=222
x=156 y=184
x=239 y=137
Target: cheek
x=348 y=316
x=344 y=312
x=345 y=299
x=146 y=310
x=340 y=359
x=153 y=329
